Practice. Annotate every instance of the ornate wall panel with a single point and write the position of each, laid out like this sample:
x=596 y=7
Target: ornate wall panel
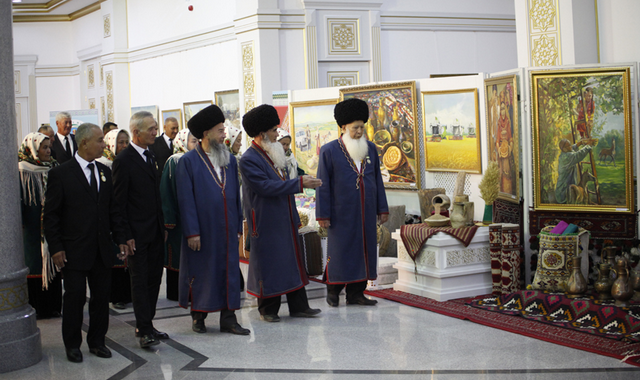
x=101 y=75
x=91 y=82
x=544 y=33
x=106 y=23
x=14 y=297
x=342 y=78
x=110 y=102
x=16 y=81
x=344 y=36
x=248 y=76
x=92 y=103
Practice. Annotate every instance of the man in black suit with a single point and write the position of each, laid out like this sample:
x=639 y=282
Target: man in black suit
x=79 y=217
x=162 y=147
x=137 y=192
x=64 y=144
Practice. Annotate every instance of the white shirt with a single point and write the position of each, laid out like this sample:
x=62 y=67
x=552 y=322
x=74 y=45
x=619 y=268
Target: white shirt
x=358 y=165
x=218 y=169
x=62 y=138
x=140 y=151
x=167 y=140
x=84 y=165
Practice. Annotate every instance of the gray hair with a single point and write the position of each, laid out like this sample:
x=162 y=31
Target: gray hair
x=45 y=129
x=85 y=132
x=170 y=119
x=62 y=115
x=137 y=120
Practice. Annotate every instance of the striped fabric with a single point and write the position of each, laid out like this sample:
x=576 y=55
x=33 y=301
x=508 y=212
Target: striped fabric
x=414 y=236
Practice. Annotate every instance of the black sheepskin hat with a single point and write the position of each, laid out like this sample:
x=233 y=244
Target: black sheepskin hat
x=350 y=110
x=204 y=120
x=260 y=119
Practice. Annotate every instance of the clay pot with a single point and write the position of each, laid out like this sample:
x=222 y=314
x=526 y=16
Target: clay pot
x=577 y=285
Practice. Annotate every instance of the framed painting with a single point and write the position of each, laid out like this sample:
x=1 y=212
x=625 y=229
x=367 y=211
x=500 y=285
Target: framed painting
x=229 y=103
x=452 y=133
x=582 y=140
x=152 y=109
x=312 y=125
x=177 y=114
x=193 y=108
x=393 y=128
x=503 y=135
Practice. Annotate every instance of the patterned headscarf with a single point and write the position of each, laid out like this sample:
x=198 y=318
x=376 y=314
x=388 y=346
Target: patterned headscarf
x=181 y=141
x=111 y=138
x=232 y=135
x=282 y=134
x=29 y=150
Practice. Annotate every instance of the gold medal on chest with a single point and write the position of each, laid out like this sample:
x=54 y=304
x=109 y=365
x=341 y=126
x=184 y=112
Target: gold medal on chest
x=102 y=177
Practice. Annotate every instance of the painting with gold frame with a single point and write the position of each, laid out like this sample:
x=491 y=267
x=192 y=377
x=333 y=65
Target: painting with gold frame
x=177 y=114
x=452 y=133
x=393 y=128
x=229 y=103
x=312 y=125
x=503 y=133
x=582 y=140
x=193 y=108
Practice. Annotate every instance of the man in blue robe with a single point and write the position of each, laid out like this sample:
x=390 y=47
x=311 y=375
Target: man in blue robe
x=350 y=200
x=210 y=211
x=276 y=265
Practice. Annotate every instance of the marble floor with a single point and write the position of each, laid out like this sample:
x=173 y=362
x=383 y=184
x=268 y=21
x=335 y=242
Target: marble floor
x=388 y=341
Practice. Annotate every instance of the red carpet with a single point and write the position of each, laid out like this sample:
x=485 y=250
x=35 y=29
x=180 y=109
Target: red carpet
x=628 y=352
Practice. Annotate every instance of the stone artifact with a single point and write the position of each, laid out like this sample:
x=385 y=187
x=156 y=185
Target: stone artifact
x=395 y=221
x=440 y=201
x=425 y=196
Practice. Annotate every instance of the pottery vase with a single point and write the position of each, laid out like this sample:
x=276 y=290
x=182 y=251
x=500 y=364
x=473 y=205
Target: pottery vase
x=621 y=290
x=576 y=285
x=487 y=218
x=458 y=215
x=634 y=283
x=604 y=282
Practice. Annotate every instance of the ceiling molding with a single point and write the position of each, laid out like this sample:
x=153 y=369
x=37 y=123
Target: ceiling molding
x=29 y=8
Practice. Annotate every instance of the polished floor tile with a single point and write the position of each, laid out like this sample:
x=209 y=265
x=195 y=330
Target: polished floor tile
x=388 y=341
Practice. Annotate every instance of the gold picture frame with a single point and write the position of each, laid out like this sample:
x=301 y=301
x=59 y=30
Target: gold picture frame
x=582 y=140
x=451 y=123
x=311 y=125
x=193 y=108
x=503 y=133
x=229 y=103
x=177 y=113
x=393 y=122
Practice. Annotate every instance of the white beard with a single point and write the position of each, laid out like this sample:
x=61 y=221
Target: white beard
x=218 y=154
x=357 y=148
x=275 y=150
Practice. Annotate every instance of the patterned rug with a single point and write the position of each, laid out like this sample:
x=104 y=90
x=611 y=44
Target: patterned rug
x=616 y=348
x=601 y=225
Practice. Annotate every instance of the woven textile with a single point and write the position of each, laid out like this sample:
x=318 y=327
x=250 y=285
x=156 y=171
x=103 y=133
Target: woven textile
x=569 y=337
x=601 y=225
x=507 y=212
x=510 y=258
x=554 y=261
x=495 y=252
x=586 y=314
x=414 y=236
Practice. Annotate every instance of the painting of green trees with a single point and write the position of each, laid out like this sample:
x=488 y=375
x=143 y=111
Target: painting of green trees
x=582 y=140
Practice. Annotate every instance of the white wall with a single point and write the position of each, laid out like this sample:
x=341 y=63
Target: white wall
x=58 y=93
x=505 y=7
x=50 y=41
x=618 y=27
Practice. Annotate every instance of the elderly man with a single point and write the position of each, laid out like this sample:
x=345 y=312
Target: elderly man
x=64 y=145
x=209 y=203
x=46 y=129
x=80 y=218
x=570 y=156
x=137 y=191
x=163 y=145
x=276 y=265
x=349 y=203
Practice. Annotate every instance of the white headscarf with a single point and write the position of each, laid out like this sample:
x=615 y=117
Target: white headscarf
x=232 y=134
x=292 y=164
x=180 y=147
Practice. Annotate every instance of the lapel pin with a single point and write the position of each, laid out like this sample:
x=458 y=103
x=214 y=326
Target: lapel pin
x=102 y=177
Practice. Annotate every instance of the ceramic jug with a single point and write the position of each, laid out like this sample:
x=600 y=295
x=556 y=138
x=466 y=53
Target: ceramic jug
x=459 y=215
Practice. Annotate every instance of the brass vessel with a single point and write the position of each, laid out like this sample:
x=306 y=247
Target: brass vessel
x=576 y=285
x=621 y=290
x=604 y=282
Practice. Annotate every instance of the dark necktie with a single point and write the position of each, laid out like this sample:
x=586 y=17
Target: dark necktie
x=93 y=183
x=67 y=146
x=149 y=159
x=171 y=144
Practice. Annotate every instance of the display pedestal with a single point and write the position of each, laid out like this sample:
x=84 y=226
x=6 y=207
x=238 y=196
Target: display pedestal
x=445 y=269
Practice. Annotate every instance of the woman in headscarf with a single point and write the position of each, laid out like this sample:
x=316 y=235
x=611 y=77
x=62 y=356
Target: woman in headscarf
x=182 y=143
x=117 y=140
x=45 y=286
x=284 y=138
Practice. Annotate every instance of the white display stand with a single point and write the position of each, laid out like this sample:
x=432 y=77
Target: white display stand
x=445 y=269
